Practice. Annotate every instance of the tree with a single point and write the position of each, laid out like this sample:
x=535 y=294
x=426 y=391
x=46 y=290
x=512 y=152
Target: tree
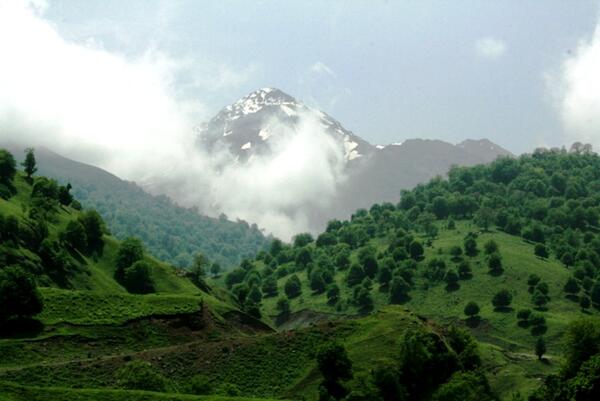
x=355 y=275
x=215 y=269
x=362 y=298
x=456 y=252
x=464 y=270
x=540 y=251
x=8 y=168
x=451 y=279
x=254 y=295
x=19 y=296
x=523 y=315
x=490 y=247
x=471 y=309
x=595 y=293
x=333 y=294
x=470 y=246
x=269 y=286
x=540 y=347
x=399 y=289
x=571 y=286
x=130 y=251
x=585 y=302
x=303 y=239
x=137 y=279
x=317 y=284
x=304 y=257
x=335 y=367
x=138 y=375
x=539 y=299
x=200 y=265
x=416 y=250
x=502 y=299
x=283 y=307
x=495 y=264
x=29 y=164
x=293 y=287
x=64 y=195
x=74 y=236
x=94 y=229
x=484 y=217
x=385 y=276
x=532 y=281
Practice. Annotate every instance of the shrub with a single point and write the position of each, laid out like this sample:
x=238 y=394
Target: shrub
x=138 y=375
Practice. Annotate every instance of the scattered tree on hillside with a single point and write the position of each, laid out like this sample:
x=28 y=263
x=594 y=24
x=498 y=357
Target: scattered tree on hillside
x=502 y=300
x=8 y=169
x=470 y=246
x=355 y=275
x=130 y=251
x=471 y=310
x=293 y=287
x=571 y=286
x=495 y=264
x=416 y=250
x=283 y=307
x=137 y=279
x=490 y=247
x=541 y=251
x=29 y=164
x=399 y=289
x=75 y=236
x=540 y=347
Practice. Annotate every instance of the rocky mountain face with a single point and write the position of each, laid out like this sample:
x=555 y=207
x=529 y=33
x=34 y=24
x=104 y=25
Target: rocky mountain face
x=372 y=174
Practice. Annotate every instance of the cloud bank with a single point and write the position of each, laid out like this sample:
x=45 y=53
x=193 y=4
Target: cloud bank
x=126 y=115
x=579 y=91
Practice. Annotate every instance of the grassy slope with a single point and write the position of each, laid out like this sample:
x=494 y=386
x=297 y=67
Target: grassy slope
x=507 y=348
x=269 y=365
x=12 y=392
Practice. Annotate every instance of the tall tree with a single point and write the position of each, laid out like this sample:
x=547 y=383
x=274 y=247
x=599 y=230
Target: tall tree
x=29 y=164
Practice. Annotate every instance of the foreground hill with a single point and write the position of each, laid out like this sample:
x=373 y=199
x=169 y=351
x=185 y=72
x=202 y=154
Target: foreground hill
x=171 y=233
x=516 y=239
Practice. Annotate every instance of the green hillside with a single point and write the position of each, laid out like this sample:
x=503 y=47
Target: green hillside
x=171 y=233
x=528 y=226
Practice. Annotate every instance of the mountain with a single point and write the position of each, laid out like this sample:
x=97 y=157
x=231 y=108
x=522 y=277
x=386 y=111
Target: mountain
x=247 y=126
x=372 y=174
x=171 y=233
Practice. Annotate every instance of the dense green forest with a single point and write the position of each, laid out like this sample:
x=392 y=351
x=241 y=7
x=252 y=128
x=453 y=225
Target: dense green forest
x=479 y=286
x=509 y=250
x=171 y=233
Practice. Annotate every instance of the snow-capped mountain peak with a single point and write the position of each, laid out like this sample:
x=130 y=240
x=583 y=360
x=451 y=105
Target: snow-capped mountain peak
x=245 y=126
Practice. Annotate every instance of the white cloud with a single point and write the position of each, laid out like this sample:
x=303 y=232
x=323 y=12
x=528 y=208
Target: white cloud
x=578 y=91
x=490 y=48
x=128 y=115
x=321 y=68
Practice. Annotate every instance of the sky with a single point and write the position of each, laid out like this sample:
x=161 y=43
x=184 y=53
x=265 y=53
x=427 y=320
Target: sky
x=388 y=70
x=122 y=84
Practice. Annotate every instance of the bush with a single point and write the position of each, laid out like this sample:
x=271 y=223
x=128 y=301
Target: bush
x=200 y=385
x=138 y=375
x=541 y=251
